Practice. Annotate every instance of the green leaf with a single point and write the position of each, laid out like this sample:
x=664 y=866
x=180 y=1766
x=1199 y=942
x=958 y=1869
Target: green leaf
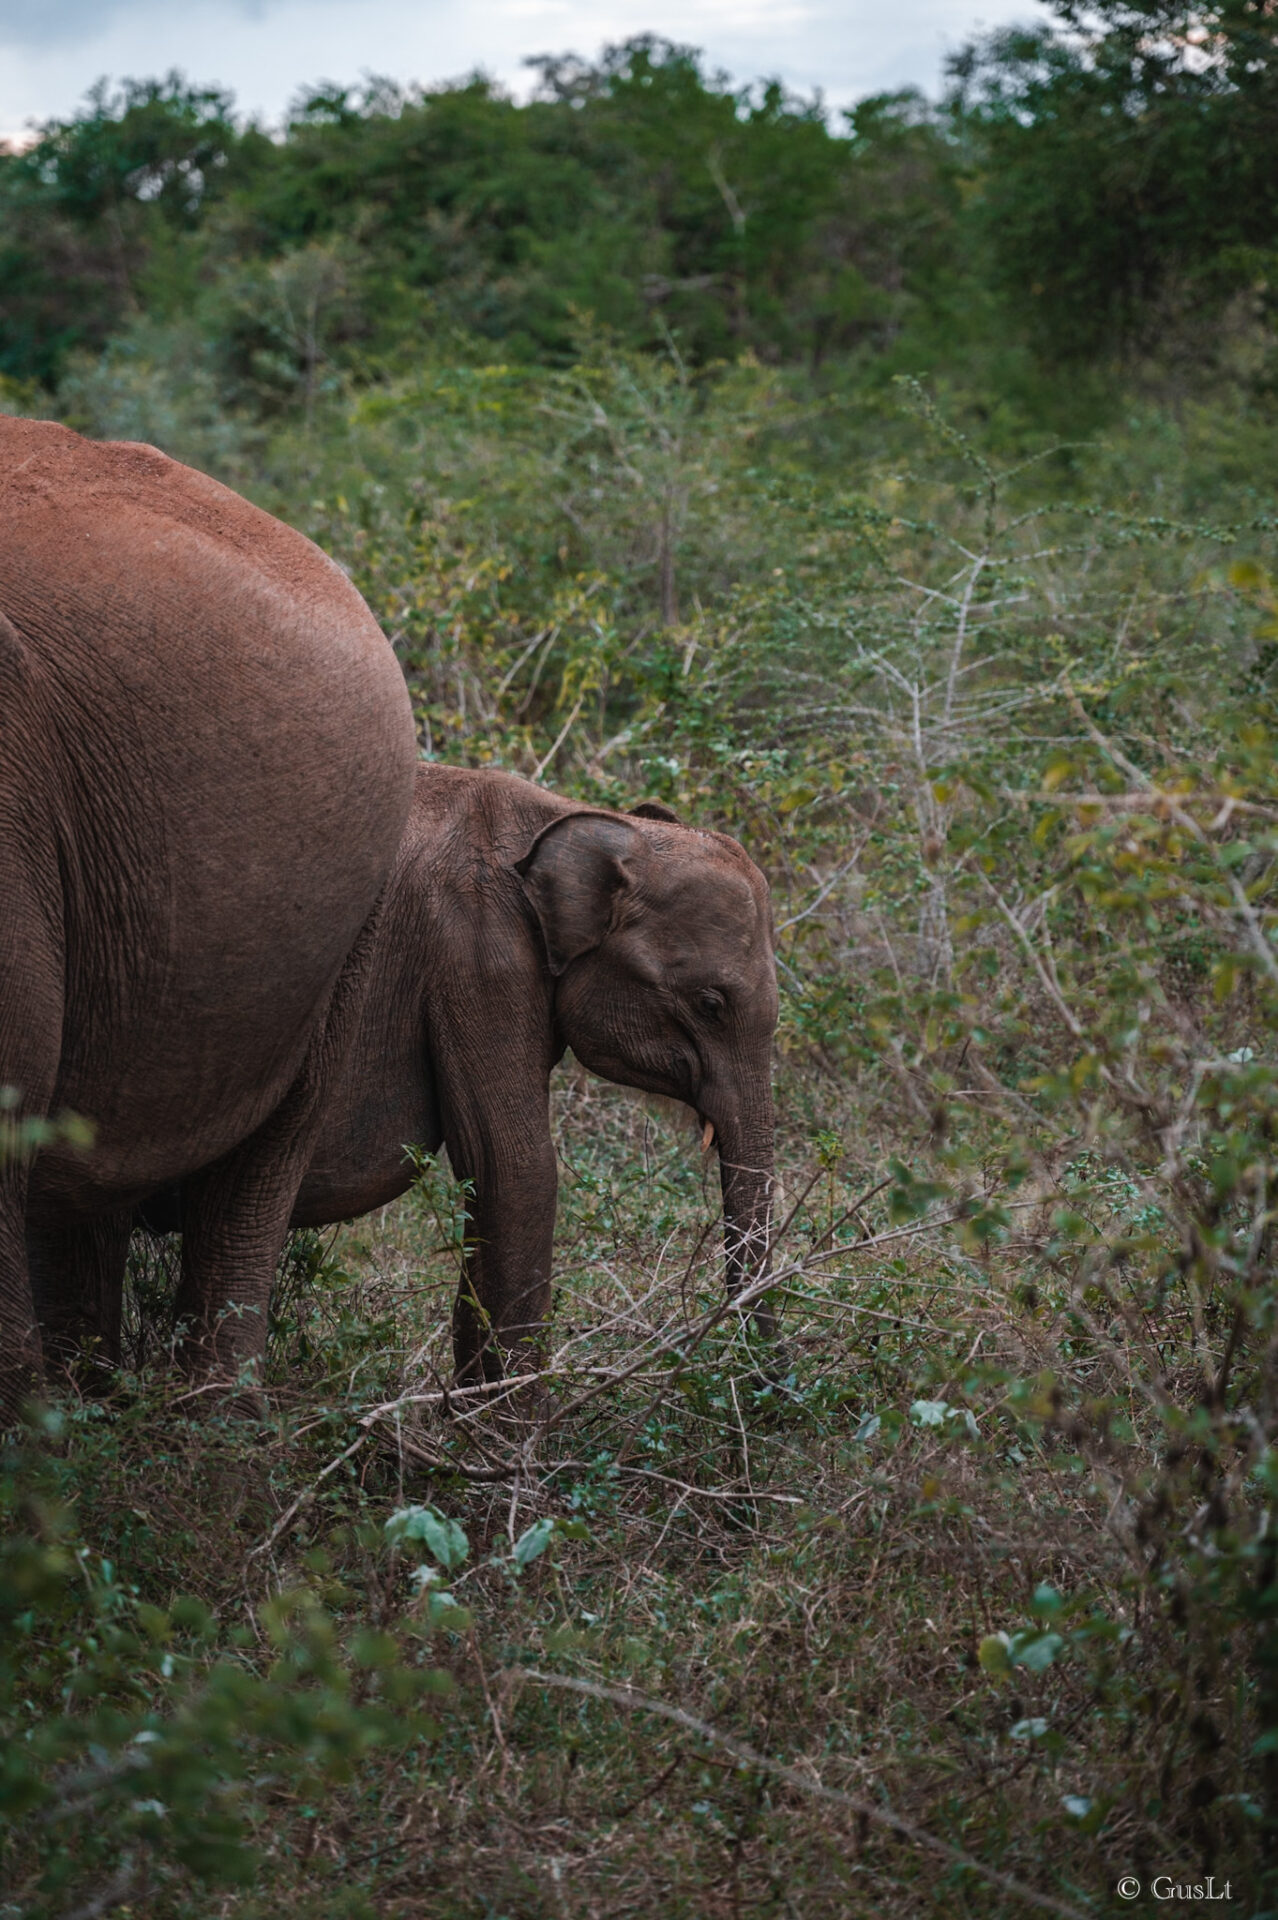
x=1035 y=1651
x=533 y=1542
x=442 y=1538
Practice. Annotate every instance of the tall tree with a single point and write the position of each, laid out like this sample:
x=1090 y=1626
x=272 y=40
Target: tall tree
x=1128 y=163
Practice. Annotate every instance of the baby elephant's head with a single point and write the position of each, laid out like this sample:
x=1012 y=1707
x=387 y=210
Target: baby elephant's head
x=659 y=938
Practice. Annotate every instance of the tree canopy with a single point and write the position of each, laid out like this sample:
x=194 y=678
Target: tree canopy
x=1101 y=184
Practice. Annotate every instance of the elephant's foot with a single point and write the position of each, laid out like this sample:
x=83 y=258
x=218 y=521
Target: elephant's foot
x=222 y=1375
x=508 y=1397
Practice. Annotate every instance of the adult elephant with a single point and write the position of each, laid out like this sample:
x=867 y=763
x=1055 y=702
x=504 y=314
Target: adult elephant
x=518 y=924
x=206 y=753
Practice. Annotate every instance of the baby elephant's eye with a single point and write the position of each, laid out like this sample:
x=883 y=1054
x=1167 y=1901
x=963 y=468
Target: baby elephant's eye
x=710 y=1003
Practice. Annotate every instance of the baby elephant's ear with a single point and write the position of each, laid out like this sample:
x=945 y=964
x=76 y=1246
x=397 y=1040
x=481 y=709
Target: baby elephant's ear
x=656 y=810
x=576 y=874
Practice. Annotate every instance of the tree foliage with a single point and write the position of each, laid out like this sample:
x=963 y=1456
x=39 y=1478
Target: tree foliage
x=639 y=189
x=1091 y=185
x=1128 y=165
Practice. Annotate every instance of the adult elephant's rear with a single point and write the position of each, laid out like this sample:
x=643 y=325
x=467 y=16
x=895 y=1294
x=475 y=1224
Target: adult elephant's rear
x=206 y=753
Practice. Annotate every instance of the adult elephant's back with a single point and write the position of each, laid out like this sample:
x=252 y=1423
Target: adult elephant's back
x=206 y=753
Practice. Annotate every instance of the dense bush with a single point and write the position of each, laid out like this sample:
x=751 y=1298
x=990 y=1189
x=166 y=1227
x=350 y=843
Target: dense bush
x=982 y=1579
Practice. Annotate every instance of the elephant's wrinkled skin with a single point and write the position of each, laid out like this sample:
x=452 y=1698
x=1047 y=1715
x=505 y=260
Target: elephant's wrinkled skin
x=206 y=754
x=518 y=924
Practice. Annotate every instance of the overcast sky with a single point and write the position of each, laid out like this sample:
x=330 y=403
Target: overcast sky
x=51 y=51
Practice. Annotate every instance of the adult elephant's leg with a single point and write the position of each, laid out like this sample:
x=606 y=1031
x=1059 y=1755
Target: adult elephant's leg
x=21 y=1368
x=235 y=1217
x=77 y=1278
x=235 y=1214
x=30 y=1041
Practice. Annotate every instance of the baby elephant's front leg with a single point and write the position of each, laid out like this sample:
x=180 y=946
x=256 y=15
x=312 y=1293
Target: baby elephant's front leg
x=503 y=1304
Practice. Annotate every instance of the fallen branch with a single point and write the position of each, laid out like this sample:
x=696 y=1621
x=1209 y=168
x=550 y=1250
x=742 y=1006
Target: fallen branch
x=677 y=1348
x=634 y=1702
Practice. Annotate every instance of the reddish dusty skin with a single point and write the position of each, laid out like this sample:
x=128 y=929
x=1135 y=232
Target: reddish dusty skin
x=518 y=924
x=206 y=754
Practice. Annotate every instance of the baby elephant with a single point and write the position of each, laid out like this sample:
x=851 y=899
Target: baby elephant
x=518 y=924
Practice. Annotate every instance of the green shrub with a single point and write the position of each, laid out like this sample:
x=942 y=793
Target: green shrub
x=145 y=1746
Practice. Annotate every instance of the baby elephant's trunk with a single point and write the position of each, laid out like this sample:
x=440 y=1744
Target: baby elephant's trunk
x=745 y=1172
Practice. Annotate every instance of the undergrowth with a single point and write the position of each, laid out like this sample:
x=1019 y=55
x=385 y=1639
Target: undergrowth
x=960 y=1599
